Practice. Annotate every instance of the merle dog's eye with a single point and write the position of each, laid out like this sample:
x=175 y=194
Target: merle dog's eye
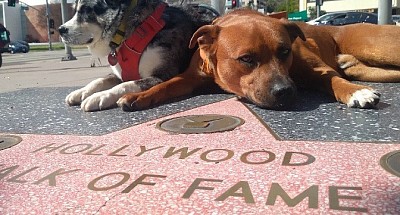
x=85 y=9
x=99 y=9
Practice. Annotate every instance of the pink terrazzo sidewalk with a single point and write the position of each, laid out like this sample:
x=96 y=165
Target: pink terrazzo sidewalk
x=143 y=170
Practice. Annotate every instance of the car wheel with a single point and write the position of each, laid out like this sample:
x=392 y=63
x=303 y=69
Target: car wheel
x=24 y=51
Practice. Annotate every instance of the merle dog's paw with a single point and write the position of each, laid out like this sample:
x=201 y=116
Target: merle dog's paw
x=99 y=101
x=76 y=97
x=364 y=98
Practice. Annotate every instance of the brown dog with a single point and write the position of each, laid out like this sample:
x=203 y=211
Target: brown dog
x=264 y=59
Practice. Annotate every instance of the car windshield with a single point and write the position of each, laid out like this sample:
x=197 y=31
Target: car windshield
x=326 y=17
x=371 y=19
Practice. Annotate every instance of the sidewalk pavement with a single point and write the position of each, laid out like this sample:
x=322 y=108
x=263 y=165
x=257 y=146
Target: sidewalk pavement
x=45 y=69
x=319 y=158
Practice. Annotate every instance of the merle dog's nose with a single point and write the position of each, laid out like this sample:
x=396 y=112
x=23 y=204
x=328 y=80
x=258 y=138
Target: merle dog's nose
x=62 y=30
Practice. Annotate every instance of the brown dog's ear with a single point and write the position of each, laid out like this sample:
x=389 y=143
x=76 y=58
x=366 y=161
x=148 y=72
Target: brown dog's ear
x=294 y=30
x=278 y=15
x=205 y=35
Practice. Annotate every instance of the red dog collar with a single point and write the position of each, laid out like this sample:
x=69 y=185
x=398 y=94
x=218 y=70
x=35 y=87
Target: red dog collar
x=131 y=50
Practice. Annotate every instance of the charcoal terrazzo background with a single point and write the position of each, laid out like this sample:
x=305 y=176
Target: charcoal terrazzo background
x=314 y=117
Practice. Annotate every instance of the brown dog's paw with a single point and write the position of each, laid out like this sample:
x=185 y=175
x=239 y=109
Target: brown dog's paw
x=345 y=61
x=134 y=102
x=364 y=98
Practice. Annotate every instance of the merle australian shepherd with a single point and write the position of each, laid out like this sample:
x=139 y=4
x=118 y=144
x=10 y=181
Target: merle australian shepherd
x=97 y=24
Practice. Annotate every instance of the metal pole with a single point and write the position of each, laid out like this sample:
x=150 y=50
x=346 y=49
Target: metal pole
x=385 y=12
x=218 y=5
x=64 y=14
x=48 y=24
x=318 y=7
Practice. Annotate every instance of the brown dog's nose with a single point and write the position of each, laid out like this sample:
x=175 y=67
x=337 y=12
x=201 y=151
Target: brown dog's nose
x=282 y=91
x=284 y=95
x=62 y=30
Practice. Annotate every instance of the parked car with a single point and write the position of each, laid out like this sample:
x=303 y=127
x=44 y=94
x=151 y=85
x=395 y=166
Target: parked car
x=396 y=19
x=345 y=18
x=324 y=19
x=18 y=46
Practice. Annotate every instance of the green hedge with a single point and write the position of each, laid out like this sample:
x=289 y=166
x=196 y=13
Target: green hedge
x=55 y=46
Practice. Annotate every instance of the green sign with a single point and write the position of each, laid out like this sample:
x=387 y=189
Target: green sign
x=298 y=16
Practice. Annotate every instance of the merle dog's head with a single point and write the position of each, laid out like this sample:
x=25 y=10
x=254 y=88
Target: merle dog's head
x=94 y=24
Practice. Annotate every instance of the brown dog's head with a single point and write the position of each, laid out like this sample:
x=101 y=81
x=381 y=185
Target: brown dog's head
x=249 y=54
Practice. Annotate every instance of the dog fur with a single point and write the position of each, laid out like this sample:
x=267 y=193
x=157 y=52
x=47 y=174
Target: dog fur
x=95 y=23
x=272 y=58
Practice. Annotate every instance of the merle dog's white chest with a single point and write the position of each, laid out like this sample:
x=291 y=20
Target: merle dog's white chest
x=150 y=60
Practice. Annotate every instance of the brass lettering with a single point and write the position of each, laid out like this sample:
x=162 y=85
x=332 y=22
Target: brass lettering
x=90 y=152
x=271 y=157
x=288 y=157
x=14 y=179
x=246 y=192
x=276 y=190
x=143 y=150
x=125 y=178
x=51 y=147
x=229 y=155
x=140 y=181
x=86 y=147
x=195 y=185
x=334 y=198
x=114 y=153
x=183 y=152
x=6 y=171
x=52 y=176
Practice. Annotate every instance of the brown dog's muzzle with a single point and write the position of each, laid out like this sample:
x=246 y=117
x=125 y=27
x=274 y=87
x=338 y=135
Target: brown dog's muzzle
x=278 y=94
x=284 y=93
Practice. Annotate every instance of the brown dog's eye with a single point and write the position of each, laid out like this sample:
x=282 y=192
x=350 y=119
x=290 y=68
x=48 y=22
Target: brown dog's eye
x=246 y=59
x=283 y=53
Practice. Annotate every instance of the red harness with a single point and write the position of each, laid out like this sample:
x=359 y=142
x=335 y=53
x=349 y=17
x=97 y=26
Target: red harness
x=131 y=50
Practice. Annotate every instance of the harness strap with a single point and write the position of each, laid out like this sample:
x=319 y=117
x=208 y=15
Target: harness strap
x=131 y=49
x=120 y=34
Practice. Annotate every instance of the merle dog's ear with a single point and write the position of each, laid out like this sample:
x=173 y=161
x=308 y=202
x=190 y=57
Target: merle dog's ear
x=204 y=36
x=293 y=29
x=117 y=3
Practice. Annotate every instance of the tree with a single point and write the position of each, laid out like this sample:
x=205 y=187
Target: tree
x=313 y=12
x=289 y=6
x=271 y=5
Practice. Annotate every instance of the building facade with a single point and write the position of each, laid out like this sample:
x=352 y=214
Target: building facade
x=29 y=23
x=11 y=18
x=349 y=5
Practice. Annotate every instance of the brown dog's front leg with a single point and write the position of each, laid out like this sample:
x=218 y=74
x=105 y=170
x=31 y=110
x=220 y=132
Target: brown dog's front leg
x=309 y=69
x=180 y=85
x=353 y=95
